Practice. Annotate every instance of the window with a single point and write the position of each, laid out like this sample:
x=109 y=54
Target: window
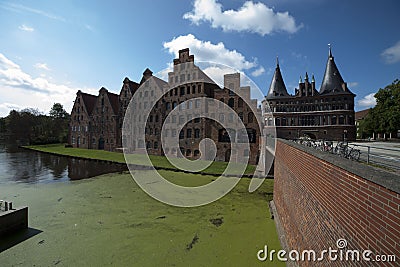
x=189 y=104
x=341 y=119
x=250 y=117
x=240 y=103
x=197 y=103
x=181 y=135
x=168 y=106
x=174 y=104
x=333 y=120
x=156 y=118
x=230 y=117
x=231 y=102
x=221 y=117
x=155 y=145
x=196 y=133
x=173 y=118
x=196 y=153
x=199 y=88
x=182 y=91
x=189 y=133
x=240 y=116
x=146 y=94
x=188 y=152
x=181 y=119
x=173 y=133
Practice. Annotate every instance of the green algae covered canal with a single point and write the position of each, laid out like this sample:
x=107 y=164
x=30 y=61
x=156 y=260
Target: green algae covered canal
x=108 y=220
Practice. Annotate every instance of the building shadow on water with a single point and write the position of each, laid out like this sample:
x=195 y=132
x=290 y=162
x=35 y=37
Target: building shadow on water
x=11 y=240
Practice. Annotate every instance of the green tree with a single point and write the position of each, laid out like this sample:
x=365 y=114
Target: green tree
x=58 y=112
x=60 y=119
x=385 y=116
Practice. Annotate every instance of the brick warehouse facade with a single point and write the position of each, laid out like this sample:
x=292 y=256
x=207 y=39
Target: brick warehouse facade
x=96 y=121
x=325 y=114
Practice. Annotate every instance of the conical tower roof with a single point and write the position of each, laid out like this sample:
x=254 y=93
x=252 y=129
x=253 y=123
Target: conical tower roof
x=332 y=81
x=277 y=88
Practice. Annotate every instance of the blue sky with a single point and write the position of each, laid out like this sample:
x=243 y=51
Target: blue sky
x=50 y=49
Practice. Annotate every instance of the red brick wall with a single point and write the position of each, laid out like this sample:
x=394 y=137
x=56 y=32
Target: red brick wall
x=318 y=202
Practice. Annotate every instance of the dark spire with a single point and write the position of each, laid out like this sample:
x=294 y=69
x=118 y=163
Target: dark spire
x=277 y=88
x=332 y=81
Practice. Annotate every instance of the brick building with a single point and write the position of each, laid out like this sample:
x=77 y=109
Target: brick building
x=97 y=121
x=325 y=114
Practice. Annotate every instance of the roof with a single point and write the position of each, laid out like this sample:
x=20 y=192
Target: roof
x=133 y=86
x=114 y=100
x=332 y=81
x=360 y=115
x=277 y=89
x=89 y=101
x=146 y=75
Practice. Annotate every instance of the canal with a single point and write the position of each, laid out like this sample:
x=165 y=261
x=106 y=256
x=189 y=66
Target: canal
x=18 y=165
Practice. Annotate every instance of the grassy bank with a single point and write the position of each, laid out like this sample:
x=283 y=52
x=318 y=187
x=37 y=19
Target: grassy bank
x=110 y=221
x=158 y=161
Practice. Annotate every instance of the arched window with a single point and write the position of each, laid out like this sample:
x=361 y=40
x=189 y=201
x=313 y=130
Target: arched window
x=231 y=102
x=240 y=102
x=341 y=119
x=333 y=120
x=188 y=152
x=250 y=117
x=174 y=104
x=196 y=133
x=240 y=116
x=196 y=153
x=189 y=133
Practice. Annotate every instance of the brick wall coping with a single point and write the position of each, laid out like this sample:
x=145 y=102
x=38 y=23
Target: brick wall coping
x=383 y=178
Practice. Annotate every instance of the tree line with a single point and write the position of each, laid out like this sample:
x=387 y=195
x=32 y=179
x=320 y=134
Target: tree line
x=384 y=118
x=29 y=126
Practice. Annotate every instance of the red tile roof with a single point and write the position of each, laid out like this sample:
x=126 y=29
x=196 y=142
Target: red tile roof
x=361 y=114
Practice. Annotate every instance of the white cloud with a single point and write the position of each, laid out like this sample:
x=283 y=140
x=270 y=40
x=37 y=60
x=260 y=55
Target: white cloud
x=352 y=84
x=258 y=71
x=25 y=9
x=367 y=101
x=28 y=91
x=392 y=54
x=42 y=66
x=206 y=51
x=251 y=17
x=88 y=27
x=23 y=27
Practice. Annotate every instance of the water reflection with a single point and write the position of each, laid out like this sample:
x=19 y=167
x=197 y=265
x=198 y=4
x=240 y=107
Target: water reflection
x=21 y=165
